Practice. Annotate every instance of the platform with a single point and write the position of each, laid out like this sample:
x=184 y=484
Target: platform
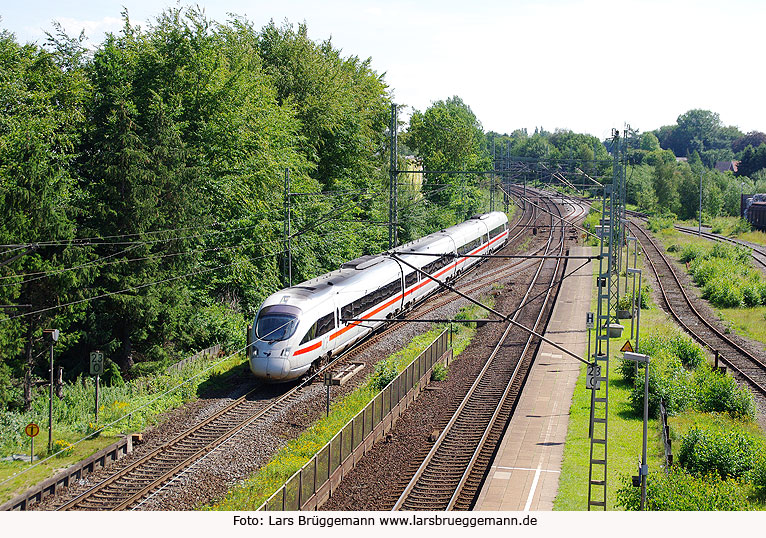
x=525 y=473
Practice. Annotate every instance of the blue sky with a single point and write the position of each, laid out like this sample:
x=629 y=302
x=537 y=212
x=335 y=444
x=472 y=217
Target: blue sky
x=585 y=65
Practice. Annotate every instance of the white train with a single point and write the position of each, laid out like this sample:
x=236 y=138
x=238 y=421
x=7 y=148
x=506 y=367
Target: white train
x=301 y=326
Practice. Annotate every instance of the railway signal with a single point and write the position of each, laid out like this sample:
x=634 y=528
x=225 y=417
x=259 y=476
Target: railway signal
x=32 y=430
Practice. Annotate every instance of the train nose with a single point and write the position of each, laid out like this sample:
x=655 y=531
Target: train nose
x=275 y=369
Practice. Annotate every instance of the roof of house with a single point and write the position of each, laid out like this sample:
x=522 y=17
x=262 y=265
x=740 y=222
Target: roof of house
x=726 y=166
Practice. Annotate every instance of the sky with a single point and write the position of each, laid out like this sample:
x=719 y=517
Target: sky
x=584 y=65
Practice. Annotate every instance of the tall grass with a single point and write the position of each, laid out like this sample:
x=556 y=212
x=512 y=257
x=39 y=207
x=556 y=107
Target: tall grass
x=74 y=415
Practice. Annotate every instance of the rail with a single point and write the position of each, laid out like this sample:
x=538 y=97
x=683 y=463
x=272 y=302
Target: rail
x=311 y=486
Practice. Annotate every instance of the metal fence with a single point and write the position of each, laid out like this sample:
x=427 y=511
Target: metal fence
x=314 y=483
x=213 y=351
x=666 y=434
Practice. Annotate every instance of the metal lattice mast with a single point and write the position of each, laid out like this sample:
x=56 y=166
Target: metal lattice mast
x=608 y=277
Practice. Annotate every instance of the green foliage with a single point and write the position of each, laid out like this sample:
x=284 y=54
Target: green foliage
x=171 y=141
x=591 y=221
x=439 y=372
x=448 y=136
x=385 y=372
x=719 y=393
x=62 y=448
x=681 y=377
x=679 y=490
x=668 y=381
x=657 y=224
x=758 y=477
x=730 y=454
x=726 y=275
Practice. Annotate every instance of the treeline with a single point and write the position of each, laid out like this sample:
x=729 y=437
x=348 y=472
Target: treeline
x=667 y=165
x=143 y=186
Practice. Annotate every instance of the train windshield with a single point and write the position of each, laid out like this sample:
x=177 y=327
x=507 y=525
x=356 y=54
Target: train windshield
x=277 y=323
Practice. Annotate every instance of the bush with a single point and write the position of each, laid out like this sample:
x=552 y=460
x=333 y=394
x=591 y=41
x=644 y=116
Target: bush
x=385 y=372
x=716 y=450
x=691 y=252
x=657 y=224
x=758 y=477
x=646 y=293
x=719 y=393
x=64 y=447
x=667 y=381
x=688 y=351
x=741 y=227
x=439 y=372
x=680 y=490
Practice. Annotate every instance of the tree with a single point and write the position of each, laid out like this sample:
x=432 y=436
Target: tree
x=753 y=138
x=649 y=142
x=752 y=160
x=449 y=137
x=42 y=96
x=665 y=182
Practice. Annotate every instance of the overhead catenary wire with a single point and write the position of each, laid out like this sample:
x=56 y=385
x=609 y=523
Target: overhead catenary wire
x=306 y=229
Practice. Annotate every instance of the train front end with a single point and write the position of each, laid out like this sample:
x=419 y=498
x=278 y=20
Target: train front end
x=273 y=340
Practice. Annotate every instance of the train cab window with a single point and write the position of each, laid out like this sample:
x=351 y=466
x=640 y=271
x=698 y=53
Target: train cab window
x=276 y=322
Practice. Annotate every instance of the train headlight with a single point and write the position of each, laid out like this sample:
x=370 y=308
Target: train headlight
x=286 y=351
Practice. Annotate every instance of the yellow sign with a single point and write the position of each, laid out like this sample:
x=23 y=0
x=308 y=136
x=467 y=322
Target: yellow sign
x=627 y=347
x=32 y=429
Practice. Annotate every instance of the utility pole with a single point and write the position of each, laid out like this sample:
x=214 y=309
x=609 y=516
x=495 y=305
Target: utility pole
x=699 y=228
x=52 y=336
x=393 y=209
x=288 y=239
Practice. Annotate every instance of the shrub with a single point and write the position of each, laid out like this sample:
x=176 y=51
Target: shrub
x=646 y=293
x=385 y=372
x=677 y=489
x=715 y=450
x=741 y=227
x=667 y=381
x=719 y=393
x=688 y=351
x=718 y=225
x=758 y=477
x=691 y=252
x=439 y=372
x=657 y=224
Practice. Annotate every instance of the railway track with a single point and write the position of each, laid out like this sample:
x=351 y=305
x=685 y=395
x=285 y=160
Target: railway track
x=135 y=482
x=677 y=303
x=452 y=471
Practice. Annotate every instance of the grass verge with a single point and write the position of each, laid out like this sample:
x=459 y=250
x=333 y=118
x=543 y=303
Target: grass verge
x=131 y=406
